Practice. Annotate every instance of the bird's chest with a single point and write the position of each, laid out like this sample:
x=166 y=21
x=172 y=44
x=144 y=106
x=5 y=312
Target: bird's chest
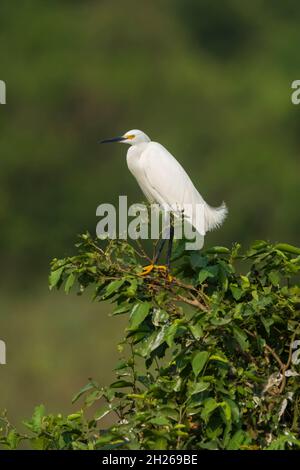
x=134 y=162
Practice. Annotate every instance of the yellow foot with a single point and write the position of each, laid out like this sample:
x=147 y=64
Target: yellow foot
x=147 y=270
x=159 y=267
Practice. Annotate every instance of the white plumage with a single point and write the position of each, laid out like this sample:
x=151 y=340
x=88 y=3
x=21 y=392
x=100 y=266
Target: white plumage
x=164 y=181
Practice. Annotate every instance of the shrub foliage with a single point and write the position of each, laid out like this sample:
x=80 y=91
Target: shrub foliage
x=210 y=358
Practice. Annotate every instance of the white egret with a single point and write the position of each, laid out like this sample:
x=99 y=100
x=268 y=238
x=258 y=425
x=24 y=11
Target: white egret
x=163 y=181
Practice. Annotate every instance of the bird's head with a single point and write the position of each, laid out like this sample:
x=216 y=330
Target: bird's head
x=132 y=137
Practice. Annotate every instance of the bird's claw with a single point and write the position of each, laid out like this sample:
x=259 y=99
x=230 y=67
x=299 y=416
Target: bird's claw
x=159 y=267
x=147 y=270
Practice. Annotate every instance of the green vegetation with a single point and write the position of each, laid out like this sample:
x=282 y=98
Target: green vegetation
x=209 y=359
x=209 y=80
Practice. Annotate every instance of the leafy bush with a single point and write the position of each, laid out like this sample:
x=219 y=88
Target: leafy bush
x=210 y=355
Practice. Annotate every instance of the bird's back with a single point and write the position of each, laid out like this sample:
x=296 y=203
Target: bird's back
x=164 y=181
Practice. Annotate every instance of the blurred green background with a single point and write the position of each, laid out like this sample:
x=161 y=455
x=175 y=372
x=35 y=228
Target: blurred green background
x=209 y=80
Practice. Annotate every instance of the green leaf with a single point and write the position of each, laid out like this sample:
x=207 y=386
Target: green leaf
x=103 y=412
x=159 y=316
x=121 y=365
x=69 y=282
x=38 y=443
x=218 y=250
x=170 y=413
x=39 y=412
x=236 y=440
x=210 y=271
x=196 y=330
x=235 y=412
x=267 y=322
x=199 y=361
x=132 y=288
x=55 y=276
x=86 y=388
x=226 y=410
x=210 y=405
x=241 y=338
x=274 y=277
x=74 y=416
x=161 y=444
x=113 y=287
x=13 y=439
x=36 y=421
x=221 y=321
x=153 y=342
x=93 y=396
x=121 y=384
x=245 y=282
x=198 y=260
x=122 y=308
x=259 y=244
x=198 y=387
x=160 y=421
x=237 y=292
x=216 y=357
x=285 y=247
x=171 y=333
x=178 y=250
x=138 y=314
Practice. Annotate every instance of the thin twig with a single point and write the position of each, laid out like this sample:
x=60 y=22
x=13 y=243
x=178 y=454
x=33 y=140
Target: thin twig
x=271 y=351
x=193 y=302
x=283 y=367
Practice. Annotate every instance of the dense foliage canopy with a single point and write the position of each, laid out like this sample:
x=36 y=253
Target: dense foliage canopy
x=210 y=354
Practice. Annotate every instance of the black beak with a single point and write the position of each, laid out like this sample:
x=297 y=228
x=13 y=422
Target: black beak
x=114 y=139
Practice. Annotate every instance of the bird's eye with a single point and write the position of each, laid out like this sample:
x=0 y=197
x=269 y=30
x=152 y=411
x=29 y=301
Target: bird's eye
x=130 y=137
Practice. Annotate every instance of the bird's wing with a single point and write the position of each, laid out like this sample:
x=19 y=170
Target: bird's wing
x=171 y=186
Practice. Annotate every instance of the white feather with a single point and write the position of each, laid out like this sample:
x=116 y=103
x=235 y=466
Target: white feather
x=164 y=181
x=215 y=216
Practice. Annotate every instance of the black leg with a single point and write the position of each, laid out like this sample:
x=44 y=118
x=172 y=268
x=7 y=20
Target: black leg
x=161 y=244
x=169 y=252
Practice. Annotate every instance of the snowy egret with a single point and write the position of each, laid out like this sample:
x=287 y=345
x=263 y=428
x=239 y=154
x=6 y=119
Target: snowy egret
x=163 y=181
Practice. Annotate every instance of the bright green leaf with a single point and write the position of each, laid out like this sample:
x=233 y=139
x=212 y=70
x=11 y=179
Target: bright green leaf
x=199 y=361
x=138 y=314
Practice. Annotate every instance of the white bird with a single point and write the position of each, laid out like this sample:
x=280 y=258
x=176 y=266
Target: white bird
x=164 y=181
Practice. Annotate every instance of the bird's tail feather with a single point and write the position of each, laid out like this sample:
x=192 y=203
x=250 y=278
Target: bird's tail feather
x=214 y=216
